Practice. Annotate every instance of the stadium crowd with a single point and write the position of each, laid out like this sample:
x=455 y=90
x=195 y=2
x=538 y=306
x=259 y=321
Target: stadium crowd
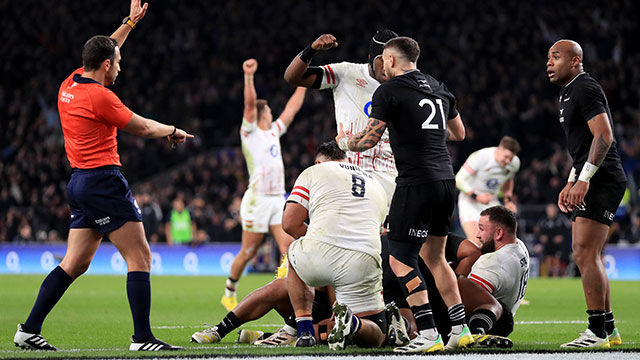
x=185 y=69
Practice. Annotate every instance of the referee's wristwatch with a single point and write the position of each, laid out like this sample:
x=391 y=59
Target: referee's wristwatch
x=127 y=20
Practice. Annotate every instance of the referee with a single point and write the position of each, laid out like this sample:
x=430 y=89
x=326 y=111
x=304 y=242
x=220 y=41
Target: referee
x=421 y=115
x=594 y=198
x=98 y=195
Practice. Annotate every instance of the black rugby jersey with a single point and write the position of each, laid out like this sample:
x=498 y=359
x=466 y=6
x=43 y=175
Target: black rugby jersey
x=580 y=100
x=416 y=108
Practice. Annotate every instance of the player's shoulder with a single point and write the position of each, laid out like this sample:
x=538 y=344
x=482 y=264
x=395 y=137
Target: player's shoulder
x=344 y=67
x=515 y=163
x=586 y=83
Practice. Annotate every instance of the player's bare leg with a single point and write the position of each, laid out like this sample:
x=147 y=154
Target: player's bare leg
x=470 y=229
x=589 y=237
x=133 y=246
x=369 y=335
x=301 y=297
x=250 y=243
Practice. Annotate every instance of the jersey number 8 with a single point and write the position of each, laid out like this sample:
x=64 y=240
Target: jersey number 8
x=357 y=187
x=427 y=123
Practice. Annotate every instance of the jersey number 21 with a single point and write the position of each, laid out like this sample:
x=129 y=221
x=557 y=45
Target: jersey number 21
x=432 y=113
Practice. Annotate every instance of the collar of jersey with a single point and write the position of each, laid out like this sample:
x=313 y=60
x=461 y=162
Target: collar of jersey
x=83 y=80
x=574 y=79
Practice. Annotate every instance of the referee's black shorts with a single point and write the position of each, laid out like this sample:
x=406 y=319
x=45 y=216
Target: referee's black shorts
x=601 y=202
x=420 y=209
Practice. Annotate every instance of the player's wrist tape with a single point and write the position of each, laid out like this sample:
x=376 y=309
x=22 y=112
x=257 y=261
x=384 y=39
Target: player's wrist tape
x=306 y=54
x=174 y=131
x=474 y=196
x=588 y=170
x=343 y=144
x=127 y=20
x=572 y=175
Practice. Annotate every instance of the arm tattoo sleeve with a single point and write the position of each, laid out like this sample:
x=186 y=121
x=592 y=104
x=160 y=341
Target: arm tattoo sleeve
x=369 y=137
x=598 y=150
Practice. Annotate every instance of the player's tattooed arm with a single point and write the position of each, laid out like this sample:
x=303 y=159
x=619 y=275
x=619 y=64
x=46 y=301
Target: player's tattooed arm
x=602 y=139
x=369 y=137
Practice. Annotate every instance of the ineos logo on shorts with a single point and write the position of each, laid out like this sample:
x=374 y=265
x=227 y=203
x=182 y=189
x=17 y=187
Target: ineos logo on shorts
x=418 y=233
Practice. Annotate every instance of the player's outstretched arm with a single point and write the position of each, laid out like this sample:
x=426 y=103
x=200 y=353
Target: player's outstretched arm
x=136 y=14
x=602 y=139
x=298 y=72
x=249 y=67
x=455 y=129
x=365 y=139
x=293 y=106
x=152 y=129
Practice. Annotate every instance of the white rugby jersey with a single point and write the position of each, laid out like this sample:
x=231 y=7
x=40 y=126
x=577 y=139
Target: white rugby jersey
x=261 y=150
x=504 y=273
x=353 y=88
x=490 y=176
x=346 y=206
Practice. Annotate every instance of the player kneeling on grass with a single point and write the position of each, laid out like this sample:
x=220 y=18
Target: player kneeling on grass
x=340 y=247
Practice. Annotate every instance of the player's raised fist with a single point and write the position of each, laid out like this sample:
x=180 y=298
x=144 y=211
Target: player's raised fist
x=325 y=42
x=250 y=66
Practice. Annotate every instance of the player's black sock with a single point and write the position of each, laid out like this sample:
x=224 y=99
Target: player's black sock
x=51 y=290
x=424 y=316
x=139 y=294
x=596 y=323
x=228 y=324
x=291 y=321
x=456 y=315
x=609 y=323
x=482 y=321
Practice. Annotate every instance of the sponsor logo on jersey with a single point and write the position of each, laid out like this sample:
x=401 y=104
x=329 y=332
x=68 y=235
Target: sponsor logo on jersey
x=492 y=183
x=367 y=109
x=362 y=82
x=273 y=150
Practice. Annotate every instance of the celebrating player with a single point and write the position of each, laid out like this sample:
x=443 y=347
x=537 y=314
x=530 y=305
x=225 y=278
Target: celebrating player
x=421 y=115
x=594 y=196
x=483 y=175
x=98 y=194
x=262 y=203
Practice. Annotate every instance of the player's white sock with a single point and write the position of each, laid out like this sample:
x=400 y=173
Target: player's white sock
x=230 y=289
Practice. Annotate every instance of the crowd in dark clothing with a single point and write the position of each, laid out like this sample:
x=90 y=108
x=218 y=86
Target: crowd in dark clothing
x=182 y=65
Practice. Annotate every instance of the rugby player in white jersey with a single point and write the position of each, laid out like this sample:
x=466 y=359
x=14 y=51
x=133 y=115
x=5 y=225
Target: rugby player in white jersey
x=502 y=270
x=353 y=86
x=484 y=174
x=340 y=247
x=262 y=203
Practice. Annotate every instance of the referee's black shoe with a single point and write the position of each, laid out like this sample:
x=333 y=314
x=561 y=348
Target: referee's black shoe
x=31 y=341
x=151 y=344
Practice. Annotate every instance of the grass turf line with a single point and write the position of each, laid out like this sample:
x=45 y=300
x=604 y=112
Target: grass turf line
x=93 y=318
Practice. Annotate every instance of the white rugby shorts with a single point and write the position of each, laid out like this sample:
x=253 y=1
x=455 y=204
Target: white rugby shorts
x=258 y=212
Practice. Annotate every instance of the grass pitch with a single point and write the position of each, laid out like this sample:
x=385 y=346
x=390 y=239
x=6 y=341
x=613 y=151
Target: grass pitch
x=93 y=319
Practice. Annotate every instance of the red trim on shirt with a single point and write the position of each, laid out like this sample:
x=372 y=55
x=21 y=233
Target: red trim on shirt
x=482 y=282
x=301 y=188
x=300 y=194
x=333 y=76
x=279 y=128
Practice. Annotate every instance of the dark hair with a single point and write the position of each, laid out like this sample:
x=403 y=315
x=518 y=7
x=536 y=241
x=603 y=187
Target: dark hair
x=406 y=46
x=98 y=49
x=503 y=216
x=510 y=143
x=331 y=151
x=260 y=104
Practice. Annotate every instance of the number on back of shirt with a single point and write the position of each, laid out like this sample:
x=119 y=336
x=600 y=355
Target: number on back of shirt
x=429 y=124
x=523 y=285
x=357 y=187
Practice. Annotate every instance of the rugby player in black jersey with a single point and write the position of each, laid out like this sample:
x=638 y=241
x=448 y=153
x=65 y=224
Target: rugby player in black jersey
x=421 y=115
x=592 y=196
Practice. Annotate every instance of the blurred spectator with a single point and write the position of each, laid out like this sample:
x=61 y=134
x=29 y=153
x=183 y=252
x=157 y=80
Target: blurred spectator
x=554 y=234
x=180 y=229
x=151 y=216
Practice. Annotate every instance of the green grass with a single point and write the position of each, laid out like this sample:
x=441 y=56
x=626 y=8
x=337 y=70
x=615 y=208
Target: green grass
x=94 y=319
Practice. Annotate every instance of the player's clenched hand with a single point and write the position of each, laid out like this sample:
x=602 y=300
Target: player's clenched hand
x=563 y=198
x=577 y=194
x=250 y=66
x=137 y=12
x=325 y=42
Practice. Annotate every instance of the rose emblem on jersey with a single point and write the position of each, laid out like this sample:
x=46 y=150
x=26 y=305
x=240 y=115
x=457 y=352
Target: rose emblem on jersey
x=361 y=82
x=492 y=183
x=273 y=150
